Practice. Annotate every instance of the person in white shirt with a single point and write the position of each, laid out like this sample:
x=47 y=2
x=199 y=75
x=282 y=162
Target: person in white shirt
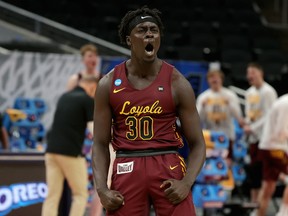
x=273 y=151
x=217 y=106
x=258 y=100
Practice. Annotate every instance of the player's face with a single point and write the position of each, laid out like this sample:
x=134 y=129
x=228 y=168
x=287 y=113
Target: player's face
x=145 y=41
x=215 y=81
x=90 y=59
x=254 y=76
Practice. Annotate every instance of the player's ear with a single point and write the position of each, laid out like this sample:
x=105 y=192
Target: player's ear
x=128 y=41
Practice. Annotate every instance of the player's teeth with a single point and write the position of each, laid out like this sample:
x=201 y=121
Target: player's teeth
x=149 y=52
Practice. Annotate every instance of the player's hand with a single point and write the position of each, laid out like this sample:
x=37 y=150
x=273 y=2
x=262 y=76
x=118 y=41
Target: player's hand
x=110 y=199
x=247 y=129
x=241 y=122
x=176 y=191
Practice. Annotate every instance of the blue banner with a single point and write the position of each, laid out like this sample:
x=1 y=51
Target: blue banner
x=108 y=63
x=195 y=72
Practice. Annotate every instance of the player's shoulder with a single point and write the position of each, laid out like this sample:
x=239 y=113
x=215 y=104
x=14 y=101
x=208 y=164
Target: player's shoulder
x=168 y=64
x=177 y=76
x=106 y=80
x=284 y=97
x=283 y=100
x=205 y=93
x=74 y=78
x=267 y=87
x=229 y=92
x=268 y=90
x=250 y=89
x=203 y=96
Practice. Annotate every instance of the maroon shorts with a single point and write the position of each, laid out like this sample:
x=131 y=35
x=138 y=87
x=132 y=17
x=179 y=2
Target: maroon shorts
x=138 y=179
x=255 y=168
x=254 y=152
x=273 y=162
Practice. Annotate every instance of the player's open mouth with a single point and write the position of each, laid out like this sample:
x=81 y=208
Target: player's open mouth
x=149 y=49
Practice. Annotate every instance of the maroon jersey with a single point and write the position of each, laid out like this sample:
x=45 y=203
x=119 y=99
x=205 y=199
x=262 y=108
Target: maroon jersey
x=143 y=119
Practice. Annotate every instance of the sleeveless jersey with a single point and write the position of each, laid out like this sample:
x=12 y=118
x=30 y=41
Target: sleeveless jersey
x=143 y=119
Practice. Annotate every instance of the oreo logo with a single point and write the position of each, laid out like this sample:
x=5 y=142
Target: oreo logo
x=21 y=195
x=117 y=82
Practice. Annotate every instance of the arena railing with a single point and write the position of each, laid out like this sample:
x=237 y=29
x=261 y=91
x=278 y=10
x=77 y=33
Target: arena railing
x=281 y=6
x=240 y=93
x=58 y=32
x=279 y=9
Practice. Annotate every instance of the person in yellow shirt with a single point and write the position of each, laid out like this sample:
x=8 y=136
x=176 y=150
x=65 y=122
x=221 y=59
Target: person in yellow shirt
x=217 y=106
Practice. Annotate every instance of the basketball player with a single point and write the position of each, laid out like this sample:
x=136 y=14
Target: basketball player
x=217 y=106
x=273 y=151
x=143 y=96
x=89 y=55
x=258 y=101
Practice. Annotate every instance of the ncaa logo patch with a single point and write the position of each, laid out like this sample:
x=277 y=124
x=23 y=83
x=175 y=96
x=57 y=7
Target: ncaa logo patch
x=117 y=82
x=123 y=168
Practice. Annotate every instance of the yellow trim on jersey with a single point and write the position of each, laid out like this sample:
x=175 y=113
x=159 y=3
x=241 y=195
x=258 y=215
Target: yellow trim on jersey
x=152 y=127
x=133 y=127
x=135 y=130
x=115 y=91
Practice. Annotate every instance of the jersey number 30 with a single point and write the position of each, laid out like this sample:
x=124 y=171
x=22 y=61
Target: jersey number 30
x=142 y=128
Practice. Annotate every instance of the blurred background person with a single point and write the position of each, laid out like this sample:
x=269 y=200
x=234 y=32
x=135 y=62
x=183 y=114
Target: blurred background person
x=218 y=106
x=89 y=55
x=258 y=101
x=273 y=149
x=4 y=140
x=63 y=158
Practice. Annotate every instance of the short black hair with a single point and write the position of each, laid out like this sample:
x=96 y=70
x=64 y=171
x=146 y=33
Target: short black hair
x=130 y=15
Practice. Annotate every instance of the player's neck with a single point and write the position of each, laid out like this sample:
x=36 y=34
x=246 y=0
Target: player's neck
x=259 y=84
x=216 y=89
x=144 y=69
x=89 y=71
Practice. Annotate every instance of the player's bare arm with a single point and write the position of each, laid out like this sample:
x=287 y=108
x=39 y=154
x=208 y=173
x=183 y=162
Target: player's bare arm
x=72 y=82
x=111 y=200
x=4 y=138
x=185 y=104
